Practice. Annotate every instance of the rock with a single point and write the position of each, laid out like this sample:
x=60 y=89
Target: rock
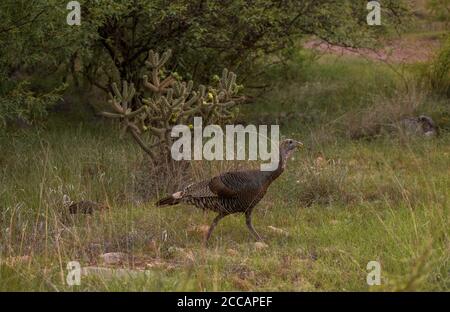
x=232 y=252
x=278 y=231
x=112 y=273
x=261 y=246
x=113 y=258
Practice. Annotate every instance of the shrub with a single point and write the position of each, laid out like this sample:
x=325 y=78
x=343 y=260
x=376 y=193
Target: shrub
x=22 y=107
x=30 y=80
x=208 y=35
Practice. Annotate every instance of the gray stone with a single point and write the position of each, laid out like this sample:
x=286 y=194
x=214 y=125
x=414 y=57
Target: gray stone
x=103 y=272
x=112 y=258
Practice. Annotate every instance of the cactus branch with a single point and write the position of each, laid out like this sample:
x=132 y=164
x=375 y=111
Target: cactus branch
x=169 y=102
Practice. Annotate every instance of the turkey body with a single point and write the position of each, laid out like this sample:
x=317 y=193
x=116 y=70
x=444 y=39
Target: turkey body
x=230 y=192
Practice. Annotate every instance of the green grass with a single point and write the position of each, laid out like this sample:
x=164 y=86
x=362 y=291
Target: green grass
x=343 y=202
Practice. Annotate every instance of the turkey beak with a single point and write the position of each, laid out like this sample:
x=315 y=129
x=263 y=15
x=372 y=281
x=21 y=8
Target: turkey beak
x=298 y=144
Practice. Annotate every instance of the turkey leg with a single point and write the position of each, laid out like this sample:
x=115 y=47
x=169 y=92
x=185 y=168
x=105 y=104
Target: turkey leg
x=213 y=224
x=248 y=221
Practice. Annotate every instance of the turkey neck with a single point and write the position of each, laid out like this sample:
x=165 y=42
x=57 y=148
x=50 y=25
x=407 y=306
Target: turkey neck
x=270 y=176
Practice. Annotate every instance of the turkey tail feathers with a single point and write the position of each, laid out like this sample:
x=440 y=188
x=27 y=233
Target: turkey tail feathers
x=167 y=201
x=170 y=200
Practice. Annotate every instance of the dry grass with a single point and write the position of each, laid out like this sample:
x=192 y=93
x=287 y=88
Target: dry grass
x=383 y=115
x=323 y=182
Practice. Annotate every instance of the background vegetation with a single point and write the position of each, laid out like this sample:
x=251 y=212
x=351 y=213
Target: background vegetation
x=360 y=191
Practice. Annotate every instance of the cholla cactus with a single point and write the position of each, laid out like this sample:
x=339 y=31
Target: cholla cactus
x=167 y=102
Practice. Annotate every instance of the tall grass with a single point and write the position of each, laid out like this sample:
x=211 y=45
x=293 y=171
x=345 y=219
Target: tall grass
x=438 y=77
x=342 y=203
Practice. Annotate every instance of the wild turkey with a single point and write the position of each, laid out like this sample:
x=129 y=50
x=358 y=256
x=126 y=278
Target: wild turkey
x=83 y=206
x=232 y=192
x=422 y=125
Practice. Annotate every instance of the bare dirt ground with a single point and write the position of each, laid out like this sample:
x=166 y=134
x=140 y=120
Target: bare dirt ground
x=407 y=50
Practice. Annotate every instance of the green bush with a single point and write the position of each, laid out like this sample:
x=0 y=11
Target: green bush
x=22 y=106
x=36 y=45
x=114 y=37
x=206 y=36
